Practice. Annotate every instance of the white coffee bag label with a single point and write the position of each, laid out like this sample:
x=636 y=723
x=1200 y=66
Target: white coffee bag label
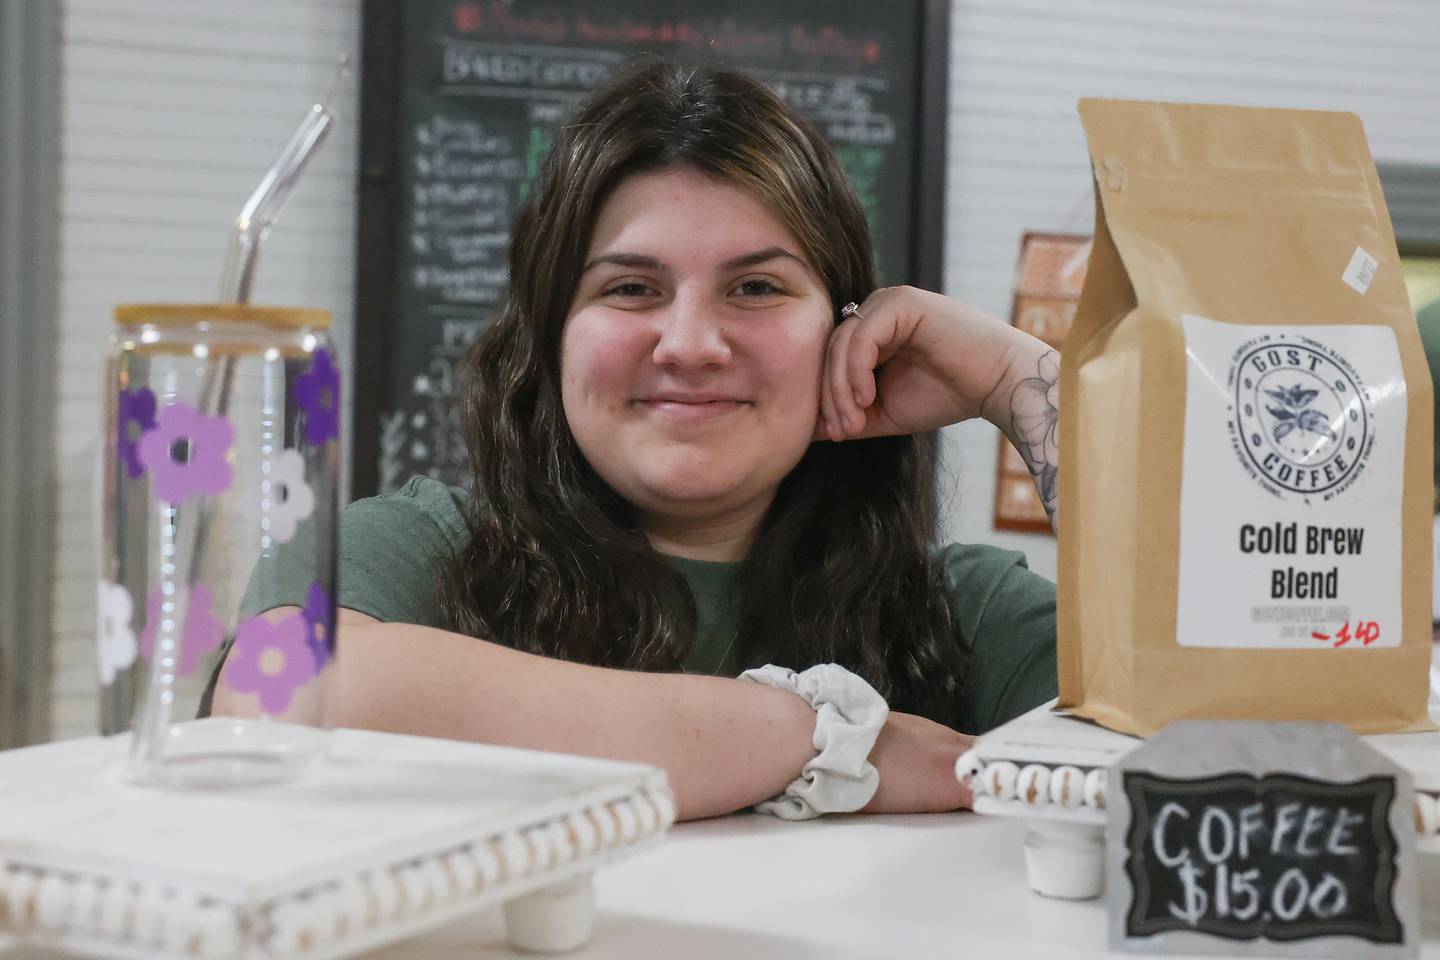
x=1290 y=499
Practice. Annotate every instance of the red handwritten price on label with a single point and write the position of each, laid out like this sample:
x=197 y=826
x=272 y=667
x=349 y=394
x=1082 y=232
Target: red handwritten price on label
x=1365 y=633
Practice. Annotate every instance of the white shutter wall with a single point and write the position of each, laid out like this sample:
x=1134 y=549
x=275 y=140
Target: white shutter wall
x=1017 y=158
x=170 y=114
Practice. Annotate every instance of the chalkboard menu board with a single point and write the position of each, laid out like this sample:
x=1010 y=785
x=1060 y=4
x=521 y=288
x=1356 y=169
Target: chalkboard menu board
x=461 y=102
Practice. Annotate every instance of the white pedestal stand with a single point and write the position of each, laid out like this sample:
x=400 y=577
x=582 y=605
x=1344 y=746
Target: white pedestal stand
x=1049 y=770
x=390 y=837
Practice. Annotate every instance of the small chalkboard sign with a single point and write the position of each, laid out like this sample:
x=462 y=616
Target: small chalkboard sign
x=1265 y=839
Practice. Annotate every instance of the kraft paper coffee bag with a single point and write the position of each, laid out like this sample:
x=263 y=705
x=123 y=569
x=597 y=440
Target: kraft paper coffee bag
x=1245 y=431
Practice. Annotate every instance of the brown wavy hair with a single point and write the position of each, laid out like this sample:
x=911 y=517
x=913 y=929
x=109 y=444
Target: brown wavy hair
x=842 y=569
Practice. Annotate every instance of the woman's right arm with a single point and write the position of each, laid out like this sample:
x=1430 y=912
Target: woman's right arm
x=724 y=745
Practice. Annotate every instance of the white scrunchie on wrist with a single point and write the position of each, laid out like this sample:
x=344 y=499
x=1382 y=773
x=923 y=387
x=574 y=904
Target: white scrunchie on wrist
x=848 y=716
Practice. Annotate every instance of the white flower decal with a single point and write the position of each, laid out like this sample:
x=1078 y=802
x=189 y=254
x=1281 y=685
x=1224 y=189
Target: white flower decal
x=289 y=498
x=115 y=640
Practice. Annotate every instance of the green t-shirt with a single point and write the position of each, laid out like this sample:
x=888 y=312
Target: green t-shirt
x=390 y=546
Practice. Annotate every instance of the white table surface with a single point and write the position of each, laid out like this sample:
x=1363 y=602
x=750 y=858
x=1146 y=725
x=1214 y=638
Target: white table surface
x=859 y=887
x=749 y=886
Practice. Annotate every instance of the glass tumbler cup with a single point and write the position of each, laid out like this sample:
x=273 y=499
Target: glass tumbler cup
x=220 y=488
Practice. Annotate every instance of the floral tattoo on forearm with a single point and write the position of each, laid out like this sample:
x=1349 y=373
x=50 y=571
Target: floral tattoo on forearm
x=1034 y=428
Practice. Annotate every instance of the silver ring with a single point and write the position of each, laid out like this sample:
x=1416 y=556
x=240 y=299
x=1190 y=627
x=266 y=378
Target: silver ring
x=852 y=309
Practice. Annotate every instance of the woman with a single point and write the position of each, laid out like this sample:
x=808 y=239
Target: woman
x=687 y=463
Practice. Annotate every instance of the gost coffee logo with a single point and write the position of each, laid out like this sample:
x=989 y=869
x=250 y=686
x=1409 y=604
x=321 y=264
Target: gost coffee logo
x=1301 y=415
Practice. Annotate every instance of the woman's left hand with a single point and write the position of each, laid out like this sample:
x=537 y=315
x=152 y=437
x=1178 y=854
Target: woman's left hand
x=912 y=361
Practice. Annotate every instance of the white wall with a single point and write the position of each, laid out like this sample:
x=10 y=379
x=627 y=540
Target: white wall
x=1017 y=154
x=172 y=110
x=170 y=114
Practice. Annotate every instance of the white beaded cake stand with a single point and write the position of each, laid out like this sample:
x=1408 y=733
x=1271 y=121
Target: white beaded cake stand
x=1050 y=770
x=390 y=836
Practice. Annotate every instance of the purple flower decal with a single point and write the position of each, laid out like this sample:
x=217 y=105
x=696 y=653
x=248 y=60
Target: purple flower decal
x=202 y=632
x=319 y=625
x=271 y=659
x=186 y=453
x=318 y=392
x=137 y=415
